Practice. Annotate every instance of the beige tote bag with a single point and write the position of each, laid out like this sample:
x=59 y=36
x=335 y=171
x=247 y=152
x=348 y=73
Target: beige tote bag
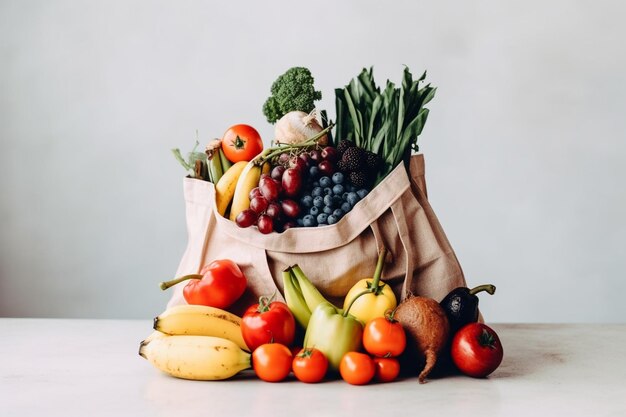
x=396 y=214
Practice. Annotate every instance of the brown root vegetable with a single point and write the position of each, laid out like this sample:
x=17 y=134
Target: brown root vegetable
x=427 y=328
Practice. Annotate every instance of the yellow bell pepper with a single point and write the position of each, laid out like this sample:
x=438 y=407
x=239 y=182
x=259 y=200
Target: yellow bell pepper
x=370 y=297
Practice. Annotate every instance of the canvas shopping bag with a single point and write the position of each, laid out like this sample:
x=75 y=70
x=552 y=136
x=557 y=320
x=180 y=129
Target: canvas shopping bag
x=396 y=214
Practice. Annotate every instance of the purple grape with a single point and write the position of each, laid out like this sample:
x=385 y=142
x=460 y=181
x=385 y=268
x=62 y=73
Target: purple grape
x=246 y=218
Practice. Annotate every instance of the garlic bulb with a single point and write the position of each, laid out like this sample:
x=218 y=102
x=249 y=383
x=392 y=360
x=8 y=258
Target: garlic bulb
x=296 y=127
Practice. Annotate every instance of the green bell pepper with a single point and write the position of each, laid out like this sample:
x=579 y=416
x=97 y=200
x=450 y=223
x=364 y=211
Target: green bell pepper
x=333 y=332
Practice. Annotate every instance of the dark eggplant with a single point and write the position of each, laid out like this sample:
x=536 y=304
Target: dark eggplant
x=461 y=305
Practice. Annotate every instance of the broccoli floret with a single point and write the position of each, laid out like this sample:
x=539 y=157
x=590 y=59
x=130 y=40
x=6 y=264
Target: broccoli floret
x=291 y=91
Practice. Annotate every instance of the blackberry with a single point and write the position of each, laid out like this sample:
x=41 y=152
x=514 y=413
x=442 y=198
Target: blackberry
x=342 y=166
x=354 y=159
x=372 y=160
x=358 y=179
x=343 y=145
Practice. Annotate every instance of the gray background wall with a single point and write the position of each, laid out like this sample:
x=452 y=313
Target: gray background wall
x=525 y=145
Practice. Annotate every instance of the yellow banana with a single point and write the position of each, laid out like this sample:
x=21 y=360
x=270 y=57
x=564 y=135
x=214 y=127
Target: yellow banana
x=248 y=179
x=266 y=168
x=225 y=187
x=154 y=335
x=199 y=320
x=205 y=358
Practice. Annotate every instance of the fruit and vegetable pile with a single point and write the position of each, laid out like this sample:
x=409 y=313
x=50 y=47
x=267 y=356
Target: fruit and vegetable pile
x=311 y=177
x=314 y=173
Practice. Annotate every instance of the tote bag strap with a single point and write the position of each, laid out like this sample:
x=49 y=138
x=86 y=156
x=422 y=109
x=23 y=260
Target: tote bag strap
x=397 y=209
x=417 y=175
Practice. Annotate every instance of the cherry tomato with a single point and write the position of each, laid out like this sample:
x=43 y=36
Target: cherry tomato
x=241 y=143
x=384 y=337
x=268 y=322
x=387 y=369
x=357 y=368
x=221 y=285
x=310 y=365
x=272 y=362
x=476 y=350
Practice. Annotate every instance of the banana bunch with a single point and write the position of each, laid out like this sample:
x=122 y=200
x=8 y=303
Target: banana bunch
x=204 y=358
x=300 y=294
x=235 y=185
x=197 y=320
x=217 y=163
x=197 y=342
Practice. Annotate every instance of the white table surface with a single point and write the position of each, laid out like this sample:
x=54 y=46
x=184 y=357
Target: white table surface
x=90 y=368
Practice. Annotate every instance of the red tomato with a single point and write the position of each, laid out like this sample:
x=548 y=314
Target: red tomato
x=387 y=369
x=357 y=368
x=268 y=322
x=241 y=143
x=476 y=350
x=384 y=337
x=272 y=362
x=221 y=285
x=310 y=365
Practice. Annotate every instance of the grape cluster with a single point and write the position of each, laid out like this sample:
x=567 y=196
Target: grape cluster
x=304 y=190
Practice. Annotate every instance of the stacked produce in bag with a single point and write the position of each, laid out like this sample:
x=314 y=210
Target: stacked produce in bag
x=313 y=175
